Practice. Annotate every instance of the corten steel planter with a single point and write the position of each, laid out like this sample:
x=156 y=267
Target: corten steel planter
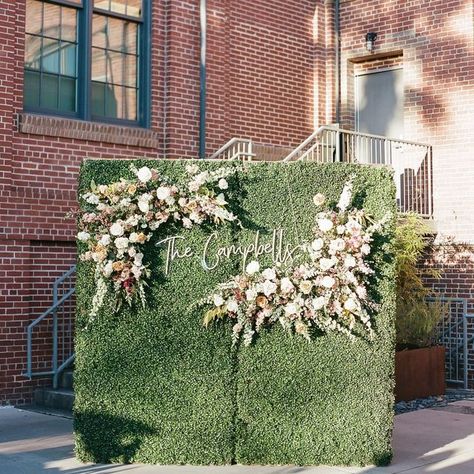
x=419 y=373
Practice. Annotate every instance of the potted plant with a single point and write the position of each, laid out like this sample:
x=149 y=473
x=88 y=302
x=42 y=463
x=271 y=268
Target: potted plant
x=419 y=359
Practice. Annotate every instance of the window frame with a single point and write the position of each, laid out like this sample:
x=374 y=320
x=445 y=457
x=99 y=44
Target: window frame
x=85 y=12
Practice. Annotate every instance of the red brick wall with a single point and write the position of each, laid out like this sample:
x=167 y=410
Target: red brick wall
x=261 y=83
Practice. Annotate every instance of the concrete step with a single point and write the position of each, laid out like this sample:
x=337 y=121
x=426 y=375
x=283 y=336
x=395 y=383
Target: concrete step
x=66 y=379
x=60 y=399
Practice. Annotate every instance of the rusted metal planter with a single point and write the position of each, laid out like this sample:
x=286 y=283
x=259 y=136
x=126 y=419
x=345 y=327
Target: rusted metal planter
x=419 y=373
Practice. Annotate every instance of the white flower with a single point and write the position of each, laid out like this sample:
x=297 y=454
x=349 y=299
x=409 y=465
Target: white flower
x=337 y=245
x=108 y=269
x=194 y=186
x=144 y=174
x=143 y=206
x=326 y=263
x=163 y=192
x=325 y=224
x=269 y=287
x=220 y=199
x=192 y=169
x=223 y=184
x=232 y=306
x=105 y=240
x=317 y=244
x=138 y=259
x=365 y=249
x=349 y=261
x=133 y=237
x=361 y=292
x=182 y=202
x=350 y=305
x=137 y=271
x=218 y=300
x=250 y=294
x=319 y=199
x=286 y=285
x=121 y=242
x=305 y=287
x=346 y=197
x=340 y=229
x=132 y=251
x=319 y=302
x=353 y=227
x=116 y=229
x=292 y=309
x=92 y=199
x=269 y=274
x=328 y=282
x=187 y=223
x=83 y=236
x=252 y=268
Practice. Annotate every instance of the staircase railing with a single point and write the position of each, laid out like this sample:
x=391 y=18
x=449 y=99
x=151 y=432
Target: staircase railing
x=411 y=161
x=54 y=331
x=235 y=149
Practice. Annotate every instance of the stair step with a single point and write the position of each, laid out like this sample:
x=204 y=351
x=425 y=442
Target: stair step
x=67 y=379
x=60 y=399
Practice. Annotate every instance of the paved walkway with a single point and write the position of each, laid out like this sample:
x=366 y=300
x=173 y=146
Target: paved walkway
x=426 y=441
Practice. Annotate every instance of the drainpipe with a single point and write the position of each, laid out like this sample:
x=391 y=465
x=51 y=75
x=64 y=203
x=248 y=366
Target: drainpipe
x=337 y=69
x=202 y=80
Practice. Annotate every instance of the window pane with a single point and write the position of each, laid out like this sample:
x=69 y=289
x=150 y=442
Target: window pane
x=99 y=65
x=130 y=104
x=49 y=91
x=31 y=89
x=33 y=18
x=122 y=35
x=50 y=55
x=115 y=67
x=69 y=24
x=99 y=31
x=68 y=59
x=134 y=8
x=113 y=101
x=51 y=20
x=103 y=4
x=98 y=99
x=32 y=52
x=130 y=70
x=67 y=97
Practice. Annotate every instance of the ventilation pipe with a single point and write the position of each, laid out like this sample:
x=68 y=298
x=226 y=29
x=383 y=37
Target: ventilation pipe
x=337 y=69
x=202 y=79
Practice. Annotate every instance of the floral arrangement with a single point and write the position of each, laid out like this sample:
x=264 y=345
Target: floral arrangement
x=327 y=293
x=125 y=215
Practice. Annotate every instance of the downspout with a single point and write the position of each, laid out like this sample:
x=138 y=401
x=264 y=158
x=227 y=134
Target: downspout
x=337 y=69
x=202 y=80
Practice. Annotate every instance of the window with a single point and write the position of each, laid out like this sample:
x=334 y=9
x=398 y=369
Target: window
x=87 y=59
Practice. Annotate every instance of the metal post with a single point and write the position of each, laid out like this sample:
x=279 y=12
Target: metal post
x=55 y=334
x=202 y=77
x=465 y=349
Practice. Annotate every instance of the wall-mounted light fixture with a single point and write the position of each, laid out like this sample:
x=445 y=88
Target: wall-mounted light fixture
x=370 y=41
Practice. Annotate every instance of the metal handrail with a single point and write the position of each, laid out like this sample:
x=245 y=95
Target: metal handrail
x=235 y=148
x=52 y=311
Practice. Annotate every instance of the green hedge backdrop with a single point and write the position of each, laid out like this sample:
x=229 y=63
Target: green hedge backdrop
x=152 y=385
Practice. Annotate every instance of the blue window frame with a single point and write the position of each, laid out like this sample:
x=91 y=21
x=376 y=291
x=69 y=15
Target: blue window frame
x=88 y=59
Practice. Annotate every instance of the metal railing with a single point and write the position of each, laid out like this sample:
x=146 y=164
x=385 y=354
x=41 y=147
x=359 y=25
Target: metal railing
x=411 y=161
x=54 y=332
x=235 y=149
x=456 y=334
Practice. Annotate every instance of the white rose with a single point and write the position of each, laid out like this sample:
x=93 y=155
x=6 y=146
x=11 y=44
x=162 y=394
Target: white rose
x=350 y=305
x=194 y=186
x=138 y=259
x=144 y=174
x=223 y=184
x=349 y=261
x=137 y=271
x=132 y=251
x=83 y=236
x=252 y=268
x=105 y=240
x=361 y=292
x=250 y=294
x=317 y=244
x=220 y=199
x=305 y=287
x=269 y=287
x=121 y=242
x=319 y=199
x=365 y=249
x=326 y=263
x=182 y=202
x=340 y=229
x=337 y=245
x=133 y=237
x=269 y=274
x=192 y=169
x=116 y=229
x=346 y=197
x=319 y=302
x=163 y=193
x=218 y=300
x=187 y=223
x=292 y=309
x=325 y=224
x=108 y=269
x=92 y=199
x=328 y=282
x=232 y=306
x=286 y=285
x=143 y=206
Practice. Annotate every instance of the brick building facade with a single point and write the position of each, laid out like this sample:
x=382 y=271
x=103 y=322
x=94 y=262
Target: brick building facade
x=271 y=77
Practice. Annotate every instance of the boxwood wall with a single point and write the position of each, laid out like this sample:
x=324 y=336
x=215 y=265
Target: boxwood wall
x=152 y=385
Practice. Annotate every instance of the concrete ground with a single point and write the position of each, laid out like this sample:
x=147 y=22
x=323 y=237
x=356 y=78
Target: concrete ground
x=435 y=441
